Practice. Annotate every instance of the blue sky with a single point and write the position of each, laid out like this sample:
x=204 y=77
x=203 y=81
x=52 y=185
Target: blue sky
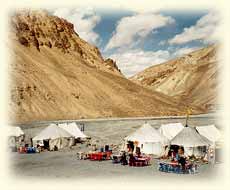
x=138 y=40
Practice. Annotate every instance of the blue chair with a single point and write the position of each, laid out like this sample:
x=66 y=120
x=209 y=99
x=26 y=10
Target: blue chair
x=165 y=167
x=170 y=168
x=161 y=167
x=177 y=169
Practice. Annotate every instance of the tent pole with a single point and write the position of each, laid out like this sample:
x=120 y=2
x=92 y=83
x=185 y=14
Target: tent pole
x=187 y=116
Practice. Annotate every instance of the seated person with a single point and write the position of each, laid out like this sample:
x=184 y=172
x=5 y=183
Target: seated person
x=132 y=159
x=55 y=148
x=182 y=161
x=205 y=159
x=181 y=151
x=138 y=152
x=166 y=153
x=173 y=155
x=177 y=157
x=123 y=159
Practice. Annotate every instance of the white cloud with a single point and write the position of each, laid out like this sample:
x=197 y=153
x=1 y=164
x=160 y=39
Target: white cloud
x=162 y=43
x=134 y=61
x=184 y=50
x=133 y=28
x=204 y=29
x=84 y=21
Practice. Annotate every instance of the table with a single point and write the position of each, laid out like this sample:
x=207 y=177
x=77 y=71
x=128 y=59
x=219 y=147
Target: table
x=100 y=156
x=140 y=162
x=175 y=167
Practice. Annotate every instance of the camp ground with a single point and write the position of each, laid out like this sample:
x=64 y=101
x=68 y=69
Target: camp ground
x=124 y=147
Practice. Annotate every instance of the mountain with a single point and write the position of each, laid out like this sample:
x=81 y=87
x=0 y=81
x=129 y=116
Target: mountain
x=191 y=79
x=56 y=75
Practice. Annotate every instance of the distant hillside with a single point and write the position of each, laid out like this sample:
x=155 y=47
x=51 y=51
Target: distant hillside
x=191 y=79
x=57 y=75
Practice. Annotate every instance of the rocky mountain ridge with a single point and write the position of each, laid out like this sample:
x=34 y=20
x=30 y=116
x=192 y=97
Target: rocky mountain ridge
x=191 y=78
x=56 y=75
x=38 y=29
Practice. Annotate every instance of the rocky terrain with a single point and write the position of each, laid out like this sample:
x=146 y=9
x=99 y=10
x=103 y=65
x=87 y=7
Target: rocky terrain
x=191 y=79
x=56 y=75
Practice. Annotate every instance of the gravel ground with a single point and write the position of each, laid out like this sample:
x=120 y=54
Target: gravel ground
x=64 y=163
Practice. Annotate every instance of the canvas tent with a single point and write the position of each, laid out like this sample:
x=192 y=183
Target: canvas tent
x=73 y=129
x=148 y=139
x=210 y=132
x=192 y=141
x=15 y=131
x=55 y=136
x=15 y=135
x=170 y=130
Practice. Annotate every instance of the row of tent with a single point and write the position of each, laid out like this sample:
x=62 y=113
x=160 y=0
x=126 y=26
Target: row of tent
x=153 y=141
x=149 y=139
x=56 y=135
x=59 y=136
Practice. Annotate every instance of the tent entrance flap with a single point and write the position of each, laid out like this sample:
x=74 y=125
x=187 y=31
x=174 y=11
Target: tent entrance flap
x=46 y=144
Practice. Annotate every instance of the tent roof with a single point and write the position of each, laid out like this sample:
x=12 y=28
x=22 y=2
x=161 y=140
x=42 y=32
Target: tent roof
x=52 y=132
x=170 y=130
x=15 y=131
x=210 y=132
x=146 y=133
x=73 y=129
x=189 y=137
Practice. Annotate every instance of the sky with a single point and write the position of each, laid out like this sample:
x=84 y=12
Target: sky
x=138 y=40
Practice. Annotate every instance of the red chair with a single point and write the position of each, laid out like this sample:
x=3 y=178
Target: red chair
x=108 y=155
x=22 y=150
x=94 y=156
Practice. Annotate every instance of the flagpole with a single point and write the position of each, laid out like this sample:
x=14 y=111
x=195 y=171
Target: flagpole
x=187 y=116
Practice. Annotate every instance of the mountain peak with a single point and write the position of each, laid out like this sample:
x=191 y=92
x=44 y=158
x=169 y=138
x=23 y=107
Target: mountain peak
x=40 y=30
x=191 y=78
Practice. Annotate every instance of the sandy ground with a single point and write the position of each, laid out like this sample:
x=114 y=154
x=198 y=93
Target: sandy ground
x=64 y=163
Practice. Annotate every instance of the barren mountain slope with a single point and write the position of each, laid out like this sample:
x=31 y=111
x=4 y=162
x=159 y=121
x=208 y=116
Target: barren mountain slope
x=56 y=75
x=191 y=79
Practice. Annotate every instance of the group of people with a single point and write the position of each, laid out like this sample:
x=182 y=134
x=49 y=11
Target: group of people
x=175 y=154
x=130 y=156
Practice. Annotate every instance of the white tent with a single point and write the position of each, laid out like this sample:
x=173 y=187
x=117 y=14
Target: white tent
x=192 y=141
x=55 y=135
x=16 y=135
x=15 y=131
x=170 y=130
x=73 y=129
x=149 y=140
x=210 y=132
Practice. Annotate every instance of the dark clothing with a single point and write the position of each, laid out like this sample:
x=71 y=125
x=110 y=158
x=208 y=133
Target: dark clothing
x=123 y=159
x=182 y=161
x=131 y=158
